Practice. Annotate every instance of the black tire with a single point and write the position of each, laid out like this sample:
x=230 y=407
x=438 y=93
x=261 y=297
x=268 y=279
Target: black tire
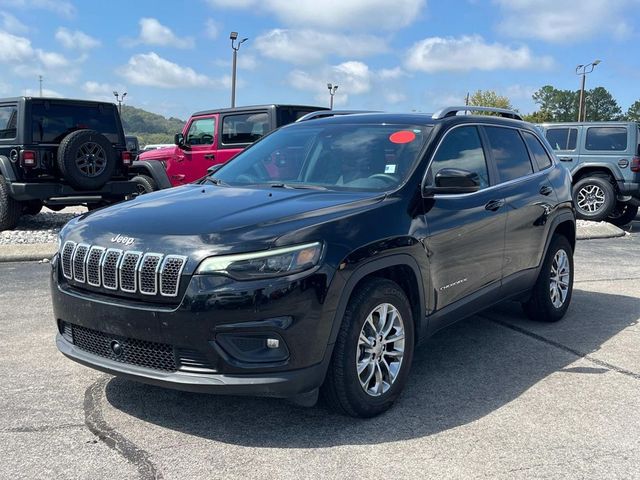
x=86 y=159
x=342 y=389
x=10 y=209
x=623 y=214
x=581 y=194
x=540 y=306
x=33 y=207
x=145 y=184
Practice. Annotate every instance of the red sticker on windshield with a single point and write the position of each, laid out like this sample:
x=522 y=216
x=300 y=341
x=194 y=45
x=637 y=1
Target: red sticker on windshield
x=403 y=136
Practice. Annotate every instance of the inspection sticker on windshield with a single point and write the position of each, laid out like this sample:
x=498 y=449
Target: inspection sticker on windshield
x=389 y=169
x=403 y=136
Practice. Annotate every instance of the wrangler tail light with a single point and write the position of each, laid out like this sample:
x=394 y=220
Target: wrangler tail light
x=126 y=158
x=635 y=164
x=28 y=158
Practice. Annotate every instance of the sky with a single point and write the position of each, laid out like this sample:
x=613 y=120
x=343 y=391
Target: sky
x=174 y=58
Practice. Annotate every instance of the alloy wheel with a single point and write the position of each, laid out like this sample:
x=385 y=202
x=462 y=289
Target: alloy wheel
x=591 y=198
x=560 y=277
x=91 y=159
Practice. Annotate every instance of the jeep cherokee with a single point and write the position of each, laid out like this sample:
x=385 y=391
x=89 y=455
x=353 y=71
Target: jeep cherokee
x=317 y=258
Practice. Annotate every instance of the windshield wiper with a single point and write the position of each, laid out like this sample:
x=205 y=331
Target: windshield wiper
x=296 y=186
x=215 y=181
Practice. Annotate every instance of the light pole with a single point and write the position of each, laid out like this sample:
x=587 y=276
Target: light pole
x=583 y=70
x=332 y=92
x=120 y=100
x=233 y=36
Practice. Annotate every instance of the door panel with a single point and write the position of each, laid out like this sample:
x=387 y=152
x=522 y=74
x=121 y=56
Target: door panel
x=565 y=142
x=201 y=154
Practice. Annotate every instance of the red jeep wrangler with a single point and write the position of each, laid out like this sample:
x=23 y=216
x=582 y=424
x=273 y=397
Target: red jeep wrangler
x=209 y=138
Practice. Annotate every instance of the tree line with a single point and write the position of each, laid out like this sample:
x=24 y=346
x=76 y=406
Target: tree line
x=555 y=105
x=149 y=127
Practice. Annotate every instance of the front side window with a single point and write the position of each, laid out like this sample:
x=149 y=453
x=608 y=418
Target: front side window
x=461 y=148
x=537 y=151
x=332 y=156
x=562 y=138
x=51 y=122
x=8 y=121
x=509 y=152
x=607 y=138
x=244 y=128
x=201 y=132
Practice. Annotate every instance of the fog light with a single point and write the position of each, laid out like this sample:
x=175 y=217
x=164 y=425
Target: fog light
x=273 y=343
x=265 y=347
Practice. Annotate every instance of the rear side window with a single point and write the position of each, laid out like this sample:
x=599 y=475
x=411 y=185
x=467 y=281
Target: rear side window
x=287 y=115
x=51 y=122
x=244 y=128
x=537 y=151
x=562 y=138
x=509 y=153
x=607 y=138
x=461 y=148
x=8 y=121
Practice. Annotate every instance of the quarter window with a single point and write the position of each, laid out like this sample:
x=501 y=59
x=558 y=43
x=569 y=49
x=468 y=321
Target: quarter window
x=537 y=151
x=509 y=152
x=607 y=138
x=244 y=128
x=8 y=121
x=461 y=148
x=562 y=138
x=201 y=132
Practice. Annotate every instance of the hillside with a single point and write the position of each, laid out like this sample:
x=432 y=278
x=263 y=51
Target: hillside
x=149 y=127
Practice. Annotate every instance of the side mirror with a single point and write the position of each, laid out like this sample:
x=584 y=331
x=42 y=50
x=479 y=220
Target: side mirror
x=454 y=181
x=178 y=139
x=213 y=169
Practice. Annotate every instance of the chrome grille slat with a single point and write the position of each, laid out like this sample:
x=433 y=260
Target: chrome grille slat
x=109 y=268
x=128 y=270
x=79 y=257
x=66 y=256
x=170 y=272
x=94 y=261
x=148 y=273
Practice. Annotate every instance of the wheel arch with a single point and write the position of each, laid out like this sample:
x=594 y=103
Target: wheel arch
x=153 y=169
x=595 y=169
x=6 y=169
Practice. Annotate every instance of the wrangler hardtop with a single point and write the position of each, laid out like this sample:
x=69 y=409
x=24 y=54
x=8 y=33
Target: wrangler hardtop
x=57 y=152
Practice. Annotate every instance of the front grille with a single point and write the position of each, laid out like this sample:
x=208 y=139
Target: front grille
x=125 y=271
x=157 y=356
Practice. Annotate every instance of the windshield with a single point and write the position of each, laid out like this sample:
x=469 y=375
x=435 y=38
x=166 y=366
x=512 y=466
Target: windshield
x=332 y=156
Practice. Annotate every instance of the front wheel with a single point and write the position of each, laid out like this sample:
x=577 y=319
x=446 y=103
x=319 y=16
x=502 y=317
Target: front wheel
x=373 y=352
x=623 y=214
x=551 y=294
x=10 y=209
x=144 y=184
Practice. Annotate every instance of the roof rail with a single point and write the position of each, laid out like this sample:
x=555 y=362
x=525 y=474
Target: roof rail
x=331 y=113
x=452 y=111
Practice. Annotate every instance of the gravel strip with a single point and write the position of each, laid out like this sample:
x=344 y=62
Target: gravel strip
x=41 y=228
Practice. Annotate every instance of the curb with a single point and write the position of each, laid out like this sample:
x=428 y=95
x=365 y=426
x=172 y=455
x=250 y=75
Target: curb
x=597 y=230
x=27 y=252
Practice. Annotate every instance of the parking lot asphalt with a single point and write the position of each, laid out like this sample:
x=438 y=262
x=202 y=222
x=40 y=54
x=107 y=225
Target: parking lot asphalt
x=495 y=396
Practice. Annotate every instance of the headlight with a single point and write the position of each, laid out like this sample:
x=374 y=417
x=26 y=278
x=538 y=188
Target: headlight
x=270 y=263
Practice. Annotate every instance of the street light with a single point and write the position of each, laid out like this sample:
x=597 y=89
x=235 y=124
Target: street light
x=583 y=70
x=332 y=92
x=233 y=36
x=120 y=100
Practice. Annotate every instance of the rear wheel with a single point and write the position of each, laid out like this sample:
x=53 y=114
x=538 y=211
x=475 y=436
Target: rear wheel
x=10 y=209
x=594 y=198
x=623 y=214
x=551 y=295
x=373 y=352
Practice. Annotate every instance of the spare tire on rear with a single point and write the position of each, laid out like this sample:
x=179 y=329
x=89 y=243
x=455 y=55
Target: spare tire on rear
x=86 y=159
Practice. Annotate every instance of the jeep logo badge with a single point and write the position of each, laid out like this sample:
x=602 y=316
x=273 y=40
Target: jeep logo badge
x=128 y=241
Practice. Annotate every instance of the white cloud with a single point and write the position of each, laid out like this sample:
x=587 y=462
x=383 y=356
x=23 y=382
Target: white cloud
x=566 y=21
x=336 y=14
x=310 y=46
x=62 y=7
x=14 y=48
x=211 y=28
x=76 y=40
x=391 y=73
x=149 y=69
x=32 y=92
x=436 y=54
x=12 y=24
x=52 y=60
x=354 y=77
x=152 y=32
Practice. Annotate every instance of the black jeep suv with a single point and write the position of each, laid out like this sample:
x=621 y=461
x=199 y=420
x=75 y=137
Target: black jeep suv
x=58 y=152
x=316 y=259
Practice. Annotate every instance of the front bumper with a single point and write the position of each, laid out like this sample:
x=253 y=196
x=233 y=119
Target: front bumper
x=212 y=309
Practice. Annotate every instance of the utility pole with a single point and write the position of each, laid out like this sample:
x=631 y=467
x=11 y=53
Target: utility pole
x=120 y=100
x=332 y=92
x=466 y=100
x=583 y=70
x=233 y=36
x=40 y=79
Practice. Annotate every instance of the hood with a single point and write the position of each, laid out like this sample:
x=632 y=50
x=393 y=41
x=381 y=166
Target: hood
x=206 y=220
x=157 y=153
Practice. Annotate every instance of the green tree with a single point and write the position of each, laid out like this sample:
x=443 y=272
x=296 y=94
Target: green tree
x=601 y=106
x=149 y=127
x=489 y=98
x=633 y=114
x=538 y=117
x=556 y=105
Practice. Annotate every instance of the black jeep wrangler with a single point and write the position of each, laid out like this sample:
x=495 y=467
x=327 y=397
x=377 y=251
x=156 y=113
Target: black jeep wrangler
x=60 y=152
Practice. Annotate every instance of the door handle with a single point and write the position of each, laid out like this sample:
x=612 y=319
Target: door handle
x=210 y=156
x=494 y=205
x=546 y=190
x=565 y=159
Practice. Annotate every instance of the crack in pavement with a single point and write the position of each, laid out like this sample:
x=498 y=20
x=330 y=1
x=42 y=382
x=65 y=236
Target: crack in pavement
x=573 y=351
x=96 y=423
